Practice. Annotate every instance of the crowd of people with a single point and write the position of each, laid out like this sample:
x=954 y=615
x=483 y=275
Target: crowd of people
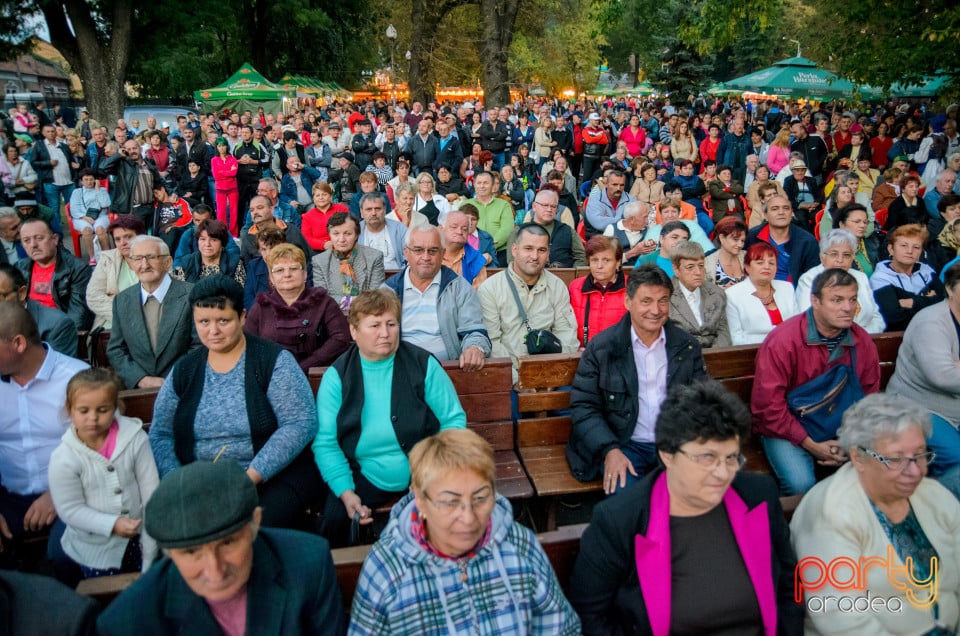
x=228 y=254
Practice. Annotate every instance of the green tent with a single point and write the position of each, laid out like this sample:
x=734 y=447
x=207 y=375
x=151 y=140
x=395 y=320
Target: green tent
x=246 y=90
x=929 y=87
x=794 y=77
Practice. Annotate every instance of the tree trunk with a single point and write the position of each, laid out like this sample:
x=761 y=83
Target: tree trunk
x=101 y=65
x=426 y=16
x=499 y=17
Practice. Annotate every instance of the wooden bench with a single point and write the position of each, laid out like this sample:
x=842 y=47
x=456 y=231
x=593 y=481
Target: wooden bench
x=485 y=397
x=98 y=356
x=561 y=547
x=542 y=438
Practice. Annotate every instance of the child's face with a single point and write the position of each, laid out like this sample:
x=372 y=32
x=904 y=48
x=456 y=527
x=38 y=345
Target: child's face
x=91 y=411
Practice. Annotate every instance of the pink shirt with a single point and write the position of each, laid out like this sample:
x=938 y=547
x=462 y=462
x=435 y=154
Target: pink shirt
x=652 y=377
x=231 y=614
x=110 y=444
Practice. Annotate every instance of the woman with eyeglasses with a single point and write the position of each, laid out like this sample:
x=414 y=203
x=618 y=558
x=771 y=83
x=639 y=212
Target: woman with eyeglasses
x=877 y=513
x=305 y=321
x=375 y=402
x=698 y=546
x=452 y=560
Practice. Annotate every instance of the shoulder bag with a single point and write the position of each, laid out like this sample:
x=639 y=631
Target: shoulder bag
x=538 y=340
x=819 y=403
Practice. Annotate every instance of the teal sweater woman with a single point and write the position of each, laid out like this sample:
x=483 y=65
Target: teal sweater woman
x=374 y=404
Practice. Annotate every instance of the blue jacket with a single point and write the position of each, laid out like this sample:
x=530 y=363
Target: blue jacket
x=258 y=280
x=188 y=245
x=292 y=589
x=487 y=246
x=288 y=189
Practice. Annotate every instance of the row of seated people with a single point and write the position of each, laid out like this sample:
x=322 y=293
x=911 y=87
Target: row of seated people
x=529 y=244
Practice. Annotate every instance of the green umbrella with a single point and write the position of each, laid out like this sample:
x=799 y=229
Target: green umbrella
x=794 y=77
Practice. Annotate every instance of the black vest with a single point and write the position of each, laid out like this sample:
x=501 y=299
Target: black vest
x=261 y=357
x=411 y=417
x=561 y=245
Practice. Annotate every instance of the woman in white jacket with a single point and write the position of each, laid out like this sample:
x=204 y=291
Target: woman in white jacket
x=758 y=303
x=837 y=249
x=854 y=531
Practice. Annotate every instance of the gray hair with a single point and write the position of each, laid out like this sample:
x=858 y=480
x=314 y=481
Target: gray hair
x=371 y=196
x=634 y=208
x=685 y=249
x=7 y=211
x=271 y=183
x=144 y=238
x=421 y=229
x=838 y=236
x=881 y=415
x=405 y=188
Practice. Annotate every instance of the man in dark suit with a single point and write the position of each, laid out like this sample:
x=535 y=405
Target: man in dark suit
x=449 y=151
x=12 y=249
x=55 y=327
x=206 y=517
x=153 y=321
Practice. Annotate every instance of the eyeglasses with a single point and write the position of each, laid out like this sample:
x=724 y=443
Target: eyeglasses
x=453 y=506
x=292 y=269
x=833 y=254
x=898 y=464
x=150 y=258
x=418 y=251
x=712 y=461
x=546 y=205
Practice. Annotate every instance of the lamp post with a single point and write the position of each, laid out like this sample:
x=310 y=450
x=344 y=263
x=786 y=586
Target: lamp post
x=392 y=36
x=797 y=42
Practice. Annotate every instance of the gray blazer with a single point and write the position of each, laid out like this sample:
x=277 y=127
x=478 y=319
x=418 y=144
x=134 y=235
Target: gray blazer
x=397 y=232
x=367 y=265
x=713 y=309
x=129 y=348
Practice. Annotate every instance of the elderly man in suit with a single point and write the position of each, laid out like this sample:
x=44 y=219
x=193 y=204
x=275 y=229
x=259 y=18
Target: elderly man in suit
x=224 y=574
x=55 y=327
x=153 y=321
x=697 y=305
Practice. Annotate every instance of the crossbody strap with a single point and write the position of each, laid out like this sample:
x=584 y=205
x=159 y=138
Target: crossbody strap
x=586 y=321
x=516 y=297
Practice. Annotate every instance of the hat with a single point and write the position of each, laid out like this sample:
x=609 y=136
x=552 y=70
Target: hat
x=901 y=158
x=24 y=200
x=287 y=127
x=258 y=126
x=594 y=116
x=468 y=105
x=199 y=503
x=797 y=164
x=848 y=114
x=856 y=128
x=164 y=124
x=349 y=157
x=334 y=124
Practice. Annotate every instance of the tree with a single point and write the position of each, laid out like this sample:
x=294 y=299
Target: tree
x=498 y=17
x=426 y=17
x=94 y=37
x=881 y=43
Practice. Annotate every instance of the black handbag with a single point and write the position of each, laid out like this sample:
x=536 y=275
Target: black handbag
x=819 y=403
x=538 y=340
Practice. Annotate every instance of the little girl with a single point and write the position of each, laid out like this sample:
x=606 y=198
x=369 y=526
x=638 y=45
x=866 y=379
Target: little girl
x=101 y=477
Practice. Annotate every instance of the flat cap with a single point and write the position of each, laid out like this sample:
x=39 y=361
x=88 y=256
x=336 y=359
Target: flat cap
x=199 y=503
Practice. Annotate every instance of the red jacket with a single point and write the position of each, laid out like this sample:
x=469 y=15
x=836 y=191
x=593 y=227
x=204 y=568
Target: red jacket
x=792 y=355
x=606 y=309
x=314 y=225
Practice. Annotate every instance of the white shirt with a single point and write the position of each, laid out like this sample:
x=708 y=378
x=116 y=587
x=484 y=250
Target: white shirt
x=420 y=323
x=159 y=293
x=652 y=378
x=61 y=171
x=693 y=301
x=32 y=421
x=381 y=241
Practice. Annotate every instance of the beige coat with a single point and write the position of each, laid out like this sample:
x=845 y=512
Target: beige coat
x=103 y=287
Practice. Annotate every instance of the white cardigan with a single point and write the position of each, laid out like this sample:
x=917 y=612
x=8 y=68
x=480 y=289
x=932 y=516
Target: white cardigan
x=869 y=316
x=90 y=492
x=748 y=319
x=835 y=519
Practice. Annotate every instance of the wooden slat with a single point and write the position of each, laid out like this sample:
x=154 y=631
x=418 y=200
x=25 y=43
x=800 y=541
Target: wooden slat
x=543 y=401
x=888 y=344
x=730 y=362
x=495 y=376
x=489 y=407
x=547 y=371
x=562 y=547
x=106 y=588
x=741 y=387
x=139 y=403
x=543 y=431
x=550 y=474
x=498 y=434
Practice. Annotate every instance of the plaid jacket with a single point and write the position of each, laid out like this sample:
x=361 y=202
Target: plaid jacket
x=510 y=587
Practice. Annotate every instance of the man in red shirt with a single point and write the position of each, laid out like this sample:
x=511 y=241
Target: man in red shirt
x=55 y=278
